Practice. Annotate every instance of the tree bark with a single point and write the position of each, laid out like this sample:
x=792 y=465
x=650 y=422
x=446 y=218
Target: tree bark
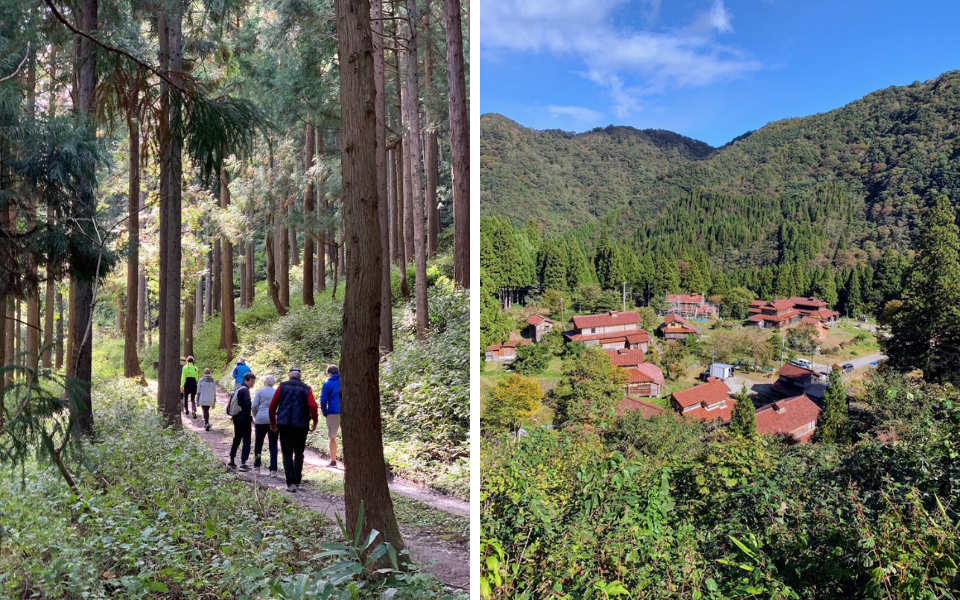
x=171 y=60
x=208 y=287
x=81 y=316
x=272 y=286
x=284 y=267
x=188 y=315
x=242 y=258
x=228 y=331
x=294 y=249
x=383 y=204
x=6 y=316
x=309 y=150
x=49 y=314
x=141 y=309
x=251 y=269
x=365 y=479
x=459 y=145
x=217 y=284
x=392 y=204
x=132 y=333
x=430 y=154
x=59 y=340
x=198 y=305
x=399 y=172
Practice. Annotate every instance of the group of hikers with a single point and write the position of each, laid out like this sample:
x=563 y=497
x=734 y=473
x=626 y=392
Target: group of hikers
x=285 y=414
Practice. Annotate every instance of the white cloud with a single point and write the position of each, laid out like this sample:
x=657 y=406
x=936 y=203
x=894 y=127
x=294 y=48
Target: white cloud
x=579 y=113
x=584 y=30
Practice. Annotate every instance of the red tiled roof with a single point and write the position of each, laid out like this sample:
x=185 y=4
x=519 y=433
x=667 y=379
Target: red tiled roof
x=674 y=318
x=703 y=414
x=826 y=313
x=757 y=303
x=787 y=415
x=781 y=305
x=685 y=298
x=611 y=318
x=623 y=357
x=710 y=393
x=536 y=320
x=795 y=373
x=646 y=372
x=785 y=388
x=810 y=321
x=811 y=301
x=787 y=316
x=630 y=404
x=638 y=337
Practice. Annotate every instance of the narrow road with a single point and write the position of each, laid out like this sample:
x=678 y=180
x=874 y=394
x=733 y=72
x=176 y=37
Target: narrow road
x=858 y=363
x=451 y=556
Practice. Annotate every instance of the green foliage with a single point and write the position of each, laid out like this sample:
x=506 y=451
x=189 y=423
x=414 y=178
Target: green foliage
x=832 y=426
x=673 y=359
x=662 y=437
x=532 y=359
x=802 y=338
x=589 y=389
x=743 y=421
x=512 y=400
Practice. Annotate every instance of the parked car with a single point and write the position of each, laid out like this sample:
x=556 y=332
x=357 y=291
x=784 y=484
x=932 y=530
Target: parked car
x=804 y=363
x=847 y=368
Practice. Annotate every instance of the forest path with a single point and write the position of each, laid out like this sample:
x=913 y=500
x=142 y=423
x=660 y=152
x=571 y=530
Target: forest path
x=435 y=528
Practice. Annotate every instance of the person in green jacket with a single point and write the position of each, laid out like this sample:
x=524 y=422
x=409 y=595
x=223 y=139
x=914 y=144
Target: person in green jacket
x=188 y=386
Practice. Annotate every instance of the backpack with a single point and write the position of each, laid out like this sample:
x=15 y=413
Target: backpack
x=233 y=407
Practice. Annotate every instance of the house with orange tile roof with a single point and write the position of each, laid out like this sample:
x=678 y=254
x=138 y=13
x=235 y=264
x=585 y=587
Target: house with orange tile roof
x=507 y=351
x=794 y=381
x=690 y=306
x=629 y=405
x=708 y=402
x=778 y=314
x=538 y=326
x=675 y=328
x=646 y=380
x=610 y=331
x=795 y=418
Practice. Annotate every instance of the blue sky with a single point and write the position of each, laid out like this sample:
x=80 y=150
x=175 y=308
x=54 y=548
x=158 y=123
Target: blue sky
x=708 y=69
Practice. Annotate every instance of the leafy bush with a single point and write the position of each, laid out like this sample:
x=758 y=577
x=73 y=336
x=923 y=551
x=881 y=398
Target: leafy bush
x=532 y=359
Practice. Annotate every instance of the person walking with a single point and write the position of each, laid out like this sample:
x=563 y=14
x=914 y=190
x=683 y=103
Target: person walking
x=292 y=410
x=240 y=371
x=206 y=396
x=261 y=425
x=241 y=423
x=183 y=363
x=330 y=407
x=189 y=375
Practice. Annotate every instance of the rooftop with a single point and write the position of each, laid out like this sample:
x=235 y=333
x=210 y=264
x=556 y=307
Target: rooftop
x=611 y=318
x=711 y=392
x=786 y=416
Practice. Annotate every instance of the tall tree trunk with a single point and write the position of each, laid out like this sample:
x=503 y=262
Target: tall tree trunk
x=188 y=317
x=242 y=258
x=49 y=315
x=322 y=206
x=283 y=276
x=32 y=358
x=335 y=263
x=6 y=318
x=59 y=339
x=251 y=269
x=272 y=286
x=408 y=198
x=71 y=301
x=198 y=305
x=399 y=172
x=141 y=310
x=430 y=154
x=132 y=333
x=392 y=204
x=365 y=479
x=228 y=331
x=383 y=204
x=411 y=110
x=309 y=150
x=459 y=145
x=294 y=249
x=217 y=284
x=171 y=60
x=85 y=213
x=208 y=287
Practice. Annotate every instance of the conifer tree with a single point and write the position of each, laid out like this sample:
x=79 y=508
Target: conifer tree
x=743 y=421
x=832 y=425
x=607 y=262
x=925 y=332
x=554 y=276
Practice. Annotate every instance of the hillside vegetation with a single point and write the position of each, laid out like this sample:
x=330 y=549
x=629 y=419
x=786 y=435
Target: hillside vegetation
x=886 y=156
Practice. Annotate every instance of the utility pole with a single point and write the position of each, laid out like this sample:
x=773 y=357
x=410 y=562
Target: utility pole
x=624 y=296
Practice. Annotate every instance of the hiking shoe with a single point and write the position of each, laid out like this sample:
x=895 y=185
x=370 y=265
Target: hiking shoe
x=332 y=463
x=207 y=426
x=274 y=474
x=244 y=467
x=256 y=469
x=193 y=415
x=231 y=465
x=291 y=488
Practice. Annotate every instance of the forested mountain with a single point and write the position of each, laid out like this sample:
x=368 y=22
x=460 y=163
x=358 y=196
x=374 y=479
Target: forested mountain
x=565 y=180
x=884 y=157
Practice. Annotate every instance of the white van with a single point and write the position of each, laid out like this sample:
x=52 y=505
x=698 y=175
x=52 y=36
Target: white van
x=802 y=362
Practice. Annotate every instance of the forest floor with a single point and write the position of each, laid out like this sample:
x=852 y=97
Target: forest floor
x=435 y=528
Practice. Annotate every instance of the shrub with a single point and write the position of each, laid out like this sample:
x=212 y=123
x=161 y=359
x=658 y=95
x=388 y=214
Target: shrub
x=531 y=359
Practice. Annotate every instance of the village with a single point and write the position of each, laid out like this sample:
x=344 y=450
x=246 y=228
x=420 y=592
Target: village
x=787 y=393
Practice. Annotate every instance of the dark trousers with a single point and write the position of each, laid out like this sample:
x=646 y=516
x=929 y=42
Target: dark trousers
x=263 y=430
x=293 y=440
x=190 y=394
x=206 y=415
x=241 y=433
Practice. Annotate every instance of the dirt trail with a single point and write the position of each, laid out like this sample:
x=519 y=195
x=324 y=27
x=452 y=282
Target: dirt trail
x=452 y=557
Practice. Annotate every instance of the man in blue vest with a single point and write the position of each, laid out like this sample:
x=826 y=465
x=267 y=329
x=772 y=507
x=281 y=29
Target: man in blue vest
x=293 y=413
x=330 y=407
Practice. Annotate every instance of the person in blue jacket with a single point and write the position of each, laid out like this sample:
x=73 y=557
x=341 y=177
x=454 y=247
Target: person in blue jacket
x=239 y=371
x=330 y=407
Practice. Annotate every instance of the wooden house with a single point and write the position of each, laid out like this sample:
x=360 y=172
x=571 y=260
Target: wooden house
x=538 y=326
x=646 y=380
x=795 y=418
x=507 y=351
x=690 y=306
x=610 y=331
x=708 y=402
x=675 y=328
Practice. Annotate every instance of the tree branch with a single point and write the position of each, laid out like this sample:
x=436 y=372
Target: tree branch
x=20 y=66
x=143 y=65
